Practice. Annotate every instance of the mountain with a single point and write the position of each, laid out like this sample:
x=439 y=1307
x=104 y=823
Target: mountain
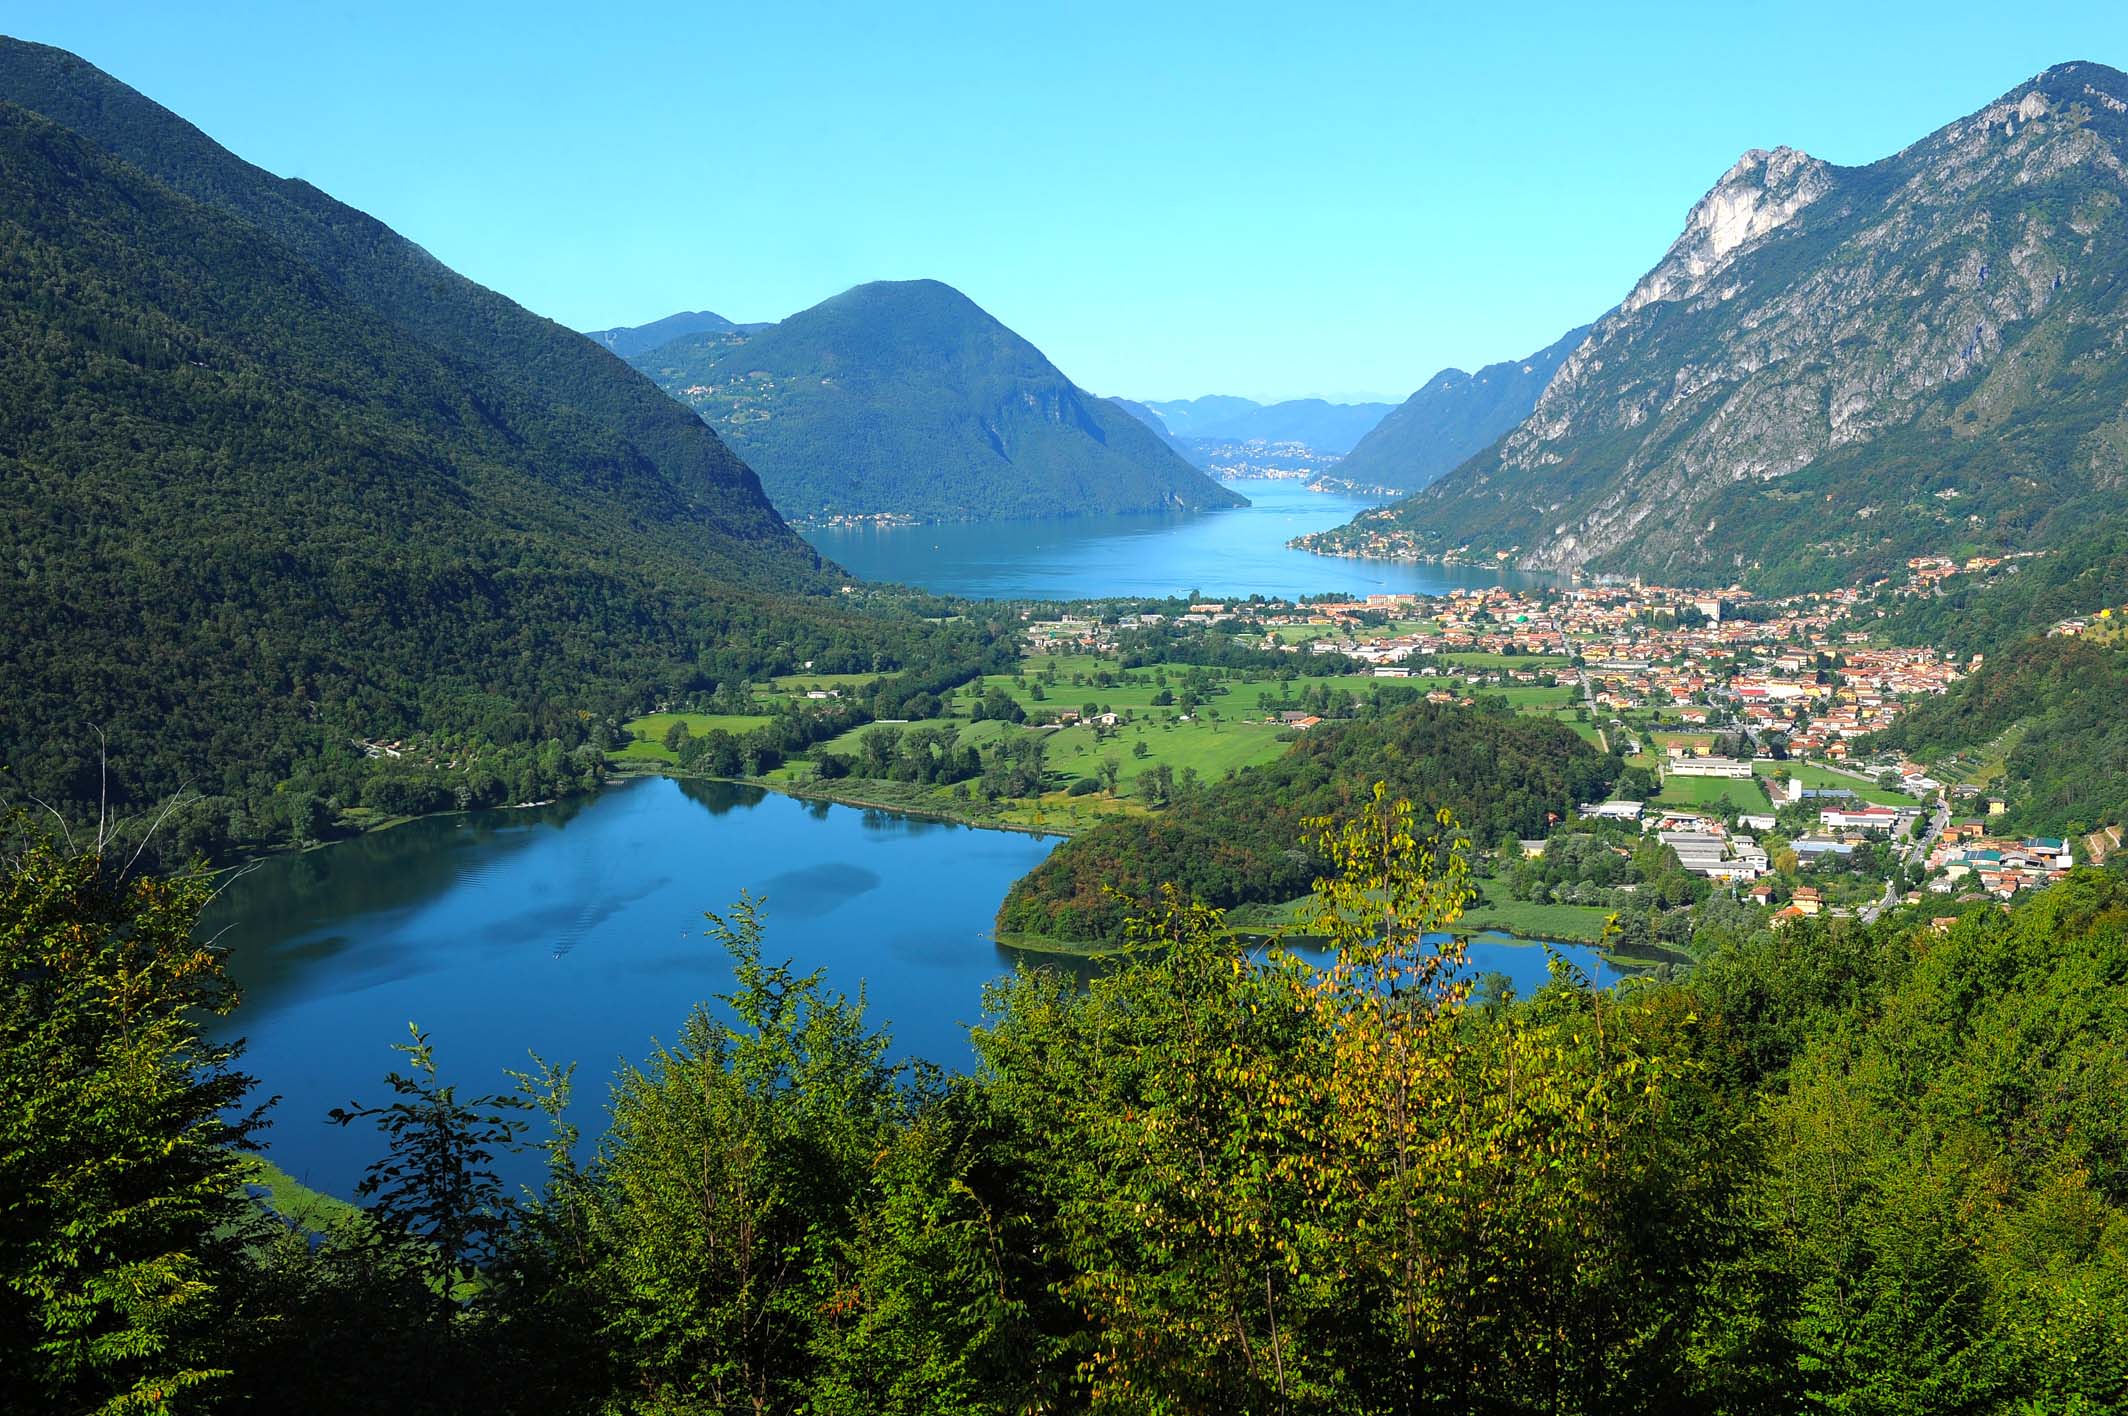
x=1144 y=415
x=274 y=478
x=1833 y=369
x=627 y=341
x=1152 y=420
x=2049 y=709
x=905 y=398
x=1455 y=416
x=1315 y=423
x=1201 y=417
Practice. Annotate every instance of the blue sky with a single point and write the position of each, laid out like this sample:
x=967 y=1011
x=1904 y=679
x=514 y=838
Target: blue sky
x=1169 y=199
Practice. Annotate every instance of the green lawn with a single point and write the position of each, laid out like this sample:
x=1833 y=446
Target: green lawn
x=647 y=734
x=799 y=683
x=1562 y=924
x=1711 y=792
x=1213 y=749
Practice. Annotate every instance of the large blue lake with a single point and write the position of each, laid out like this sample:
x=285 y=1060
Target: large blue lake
x=577 y=931
x=1221 y=553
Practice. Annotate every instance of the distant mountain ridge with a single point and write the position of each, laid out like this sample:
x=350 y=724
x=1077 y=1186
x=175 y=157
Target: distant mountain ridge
x=1452 y=418
x=1314 y=422
x=1833 y=369
x=1151 y=420
x=627 y=341
x=905 y=398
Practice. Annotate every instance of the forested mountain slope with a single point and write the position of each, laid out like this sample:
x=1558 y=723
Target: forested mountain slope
x=1836 y=368
x=904 y=397
x=586 y=426
x=2055 y=710
x=1454 y=417
x=271 y=484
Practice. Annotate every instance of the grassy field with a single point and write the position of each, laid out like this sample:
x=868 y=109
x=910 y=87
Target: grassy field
x=1212 y=749
x=1711 y=793
x=1981 y=767
x=292 y=1200
x=1564 y=924
x=787 y=687
x=1226 y=732
x=1365 y=634
x=647 y=734
x=1812 y=775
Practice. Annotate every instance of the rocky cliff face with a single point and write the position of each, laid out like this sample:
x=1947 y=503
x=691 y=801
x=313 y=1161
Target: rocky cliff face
x=1833 y=368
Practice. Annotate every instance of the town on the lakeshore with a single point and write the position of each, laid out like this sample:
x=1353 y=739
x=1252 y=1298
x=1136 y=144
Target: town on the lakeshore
x=1758 y=710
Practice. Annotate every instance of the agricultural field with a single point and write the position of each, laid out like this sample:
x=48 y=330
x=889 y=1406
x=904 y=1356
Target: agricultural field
x=1365 y=634
x=1578 y=724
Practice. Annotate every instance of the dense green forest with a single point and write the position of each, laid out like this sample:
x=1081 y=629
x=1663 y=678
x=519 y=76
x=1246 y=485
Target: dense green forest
x=274 y=481
x=905 y=397
x=1841 y=1167
x=2063 y=704
x=1236 y=842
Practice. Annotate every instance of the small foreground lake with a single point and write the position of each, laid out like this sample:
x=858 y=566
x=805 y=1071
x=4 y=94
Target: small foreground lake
x=576 y=931
x=1221 y=553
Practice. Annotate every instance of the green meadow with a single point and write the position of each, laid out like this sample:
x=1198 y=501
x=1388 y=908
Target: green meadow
x=1227 y=731
x=647 y=734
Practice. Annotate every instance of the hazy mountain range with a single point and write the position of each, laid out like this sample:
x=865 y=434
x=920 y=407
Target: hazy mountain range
x=1321 y=426
x=1835 y=368
x=906 y=398
x=630 y=340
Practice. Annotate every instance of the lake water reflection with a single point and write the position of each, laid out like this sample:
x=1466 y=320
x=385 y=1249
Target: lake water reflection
x=576 y=931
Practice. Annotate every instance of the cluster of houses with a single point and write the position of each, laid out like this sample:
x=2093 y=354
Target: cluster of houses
x=2107 y=619
x=1930 y=571
x=1967 y=858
